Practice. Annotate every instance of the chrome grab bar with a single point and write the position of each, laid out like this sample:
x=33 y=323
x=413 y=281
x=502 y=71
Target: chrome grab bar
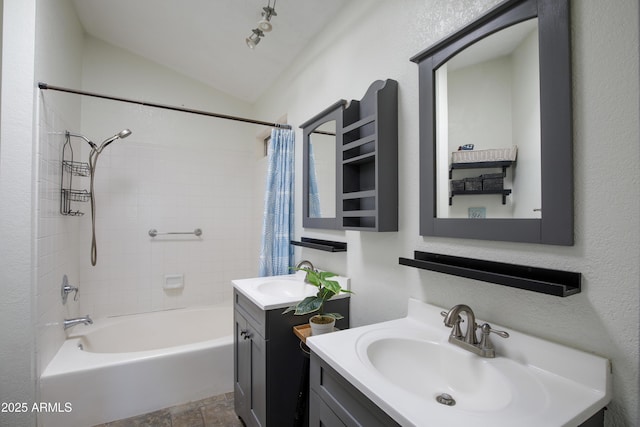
x=153 y=232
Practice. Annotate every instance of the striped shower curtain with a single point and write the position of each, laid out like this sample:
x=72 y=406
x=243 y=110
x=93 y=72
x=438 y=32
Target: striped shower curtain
x=276 y=253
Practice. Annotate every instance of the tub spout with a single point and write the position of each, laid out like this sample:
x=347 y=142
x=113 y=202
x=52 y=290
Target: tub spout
x=68 y=323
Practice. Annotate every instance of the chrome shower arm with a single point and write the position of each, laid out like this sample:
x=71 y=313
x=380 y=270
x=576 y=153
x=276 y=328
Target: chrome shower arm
x=77 y=135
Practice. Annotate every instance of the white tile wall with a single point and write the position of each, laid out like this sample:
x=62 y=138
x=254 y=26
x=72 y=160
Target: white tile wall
x=55 y=236
x=140 y=186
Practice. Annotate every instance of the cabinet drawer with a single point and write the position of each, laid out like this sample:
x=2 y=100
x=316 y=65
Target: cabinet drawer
x=352 y=407
x=254 y=315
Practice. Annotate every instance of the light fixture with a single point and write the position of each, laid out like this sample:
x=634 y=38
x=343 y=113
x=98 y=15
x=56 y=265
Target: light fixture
x=253 y=40
x=264 y=25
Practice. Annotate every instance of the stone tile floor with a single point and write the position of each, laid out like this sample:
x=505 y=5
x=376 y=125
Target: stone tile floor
x=216 y=411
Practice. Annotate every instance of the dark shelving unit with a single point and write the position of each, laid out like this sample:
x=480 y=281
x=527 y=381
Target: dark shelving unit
x=369 y=160
x=552 y=282
x=503 y=164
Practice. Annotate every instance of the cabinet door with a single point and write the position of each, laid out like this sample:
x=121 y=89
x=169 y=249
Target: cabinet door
x=258 y=380
x=320 y=415
x=249 y=373
x=241 y=367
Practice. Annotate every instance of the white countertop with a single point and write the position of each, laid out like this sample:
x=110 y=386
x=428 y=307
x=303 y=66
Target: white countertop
x=564 y=386
x=251 y=288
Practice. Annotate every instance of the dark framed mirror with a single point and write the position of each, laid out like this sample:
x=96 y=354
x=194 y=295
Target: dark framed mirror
x=321 y=178
x=504 y=170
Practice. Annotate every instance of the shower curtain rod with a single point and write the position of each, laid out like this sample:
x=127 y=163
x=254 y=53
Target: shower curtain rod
x=46 y=86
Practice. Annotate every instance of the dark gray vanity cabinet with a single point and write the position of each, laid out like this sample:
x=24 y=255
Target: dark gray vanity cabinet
x=334 y=402
x=268 y=362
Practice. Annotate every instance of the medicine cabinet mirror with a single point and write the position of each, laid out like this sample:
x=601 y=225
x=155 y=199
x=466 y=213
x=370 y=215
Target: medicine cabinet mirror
x=321 y=181
x=496 y=127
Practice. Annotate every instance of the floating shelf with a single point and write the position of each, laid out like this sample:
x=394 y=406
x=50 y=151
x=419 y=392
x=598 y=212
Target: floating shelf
x=504 y=194
x=321 y=245
x=552 y=282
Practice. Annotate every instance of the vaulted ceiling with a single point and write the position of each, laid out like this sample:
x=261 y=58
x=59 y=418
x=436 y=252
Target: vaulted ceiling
x=205 y=39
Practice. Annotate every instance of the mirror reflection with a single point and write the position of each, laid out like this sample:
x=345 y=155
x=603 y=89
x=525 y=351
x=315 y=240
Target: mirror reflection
x=322 y=171
x=488 y=141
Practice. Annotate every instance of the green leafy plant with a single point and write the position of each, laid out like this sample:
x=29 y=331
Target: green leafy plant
x=326 y=290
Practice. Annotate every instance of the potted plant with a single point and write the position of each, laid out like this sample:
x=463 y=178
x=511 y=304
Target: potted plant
x=322 y=322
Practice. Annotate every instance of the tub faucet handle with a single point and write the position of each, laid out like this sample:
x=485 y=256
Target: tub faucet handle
x=66 y=289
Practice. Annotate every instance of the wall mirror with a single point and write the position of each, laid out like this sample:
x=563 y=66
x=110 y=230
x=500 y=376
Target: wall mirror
x=322 y=138
x=501 y=85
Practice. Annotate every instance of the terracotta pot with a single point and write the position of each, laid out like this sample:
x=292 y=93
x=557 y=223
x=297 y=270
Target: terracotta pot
x=320 y=325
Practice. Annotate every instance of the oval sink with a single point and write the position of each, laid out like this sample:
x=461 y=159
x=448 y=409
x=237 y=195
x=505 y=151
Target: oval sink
x=287 y=288
x=429 y=369
x=411 y=371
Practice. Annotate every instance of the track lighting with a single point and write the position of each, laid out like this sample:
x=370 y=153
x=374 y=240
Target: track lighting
x=264 y=25
x=253 y=40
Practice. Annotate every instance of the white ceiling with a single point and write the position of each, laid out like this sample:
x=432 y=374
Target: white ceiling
x=205 y=39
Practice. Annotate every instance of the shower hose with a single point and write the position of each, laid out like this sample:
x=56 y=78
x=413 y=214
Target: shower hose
x=93 y=160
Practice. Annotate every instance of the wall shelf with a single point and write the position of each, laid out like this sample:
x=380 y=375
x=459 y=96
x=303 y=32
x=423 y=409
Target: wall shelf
x=504 y=194
x=369 y=160
x=552 y=282
x=321 y=245
x=504 y=164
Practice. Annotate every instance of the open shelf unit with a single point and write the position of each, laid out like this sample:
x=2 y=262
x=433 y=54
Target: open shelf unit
x=504 y=192
x=369 y=160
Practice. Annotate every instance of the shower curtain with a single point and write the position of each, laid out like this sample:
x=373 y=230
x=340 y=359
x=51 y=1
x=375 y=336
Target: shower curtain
x=276 y=252
x=314 y=196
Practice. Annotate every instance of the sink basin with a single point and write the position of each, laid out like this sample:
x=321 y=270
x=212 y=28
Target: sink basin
x=430 y=369
x=275 y=292
x=287 y=288
x=409 y=369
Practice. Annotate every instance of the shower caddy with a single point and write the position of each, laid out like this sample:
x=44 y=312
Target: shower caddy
x=71 y=168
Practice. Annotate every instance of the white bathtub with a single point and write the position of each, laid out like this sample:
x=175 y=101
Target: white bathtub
x=130 y=365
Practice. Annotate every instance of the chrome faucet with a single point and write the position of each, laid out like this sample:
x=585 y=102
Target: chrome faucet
x=307 y=263
x=469 y=341
x=68 y=323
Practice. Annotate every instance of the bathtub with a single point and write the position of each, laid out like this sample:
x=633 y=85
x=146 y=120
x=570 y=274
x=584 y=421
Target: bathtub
x=124 y=366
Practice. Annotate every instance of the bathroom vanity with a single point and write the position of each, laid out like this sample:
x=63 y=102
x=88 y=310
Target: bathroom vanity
x=407 y=372
x=268 y=362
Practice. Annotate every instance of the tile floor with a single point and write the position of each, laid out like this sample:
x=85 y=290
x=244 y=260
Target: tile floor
x=216 y=411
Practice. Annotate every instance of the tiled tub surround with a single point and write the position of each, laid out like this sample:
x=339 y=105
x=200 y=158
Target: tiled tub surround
x=140 y=186
x=131 y=365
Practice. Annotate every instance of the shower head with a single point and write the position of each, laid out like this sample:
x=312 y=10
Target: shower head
x=120 y=135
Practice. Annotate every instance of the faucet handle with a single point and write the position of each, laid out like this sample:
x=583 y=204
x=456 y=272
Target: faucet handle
x=66 y=289
x=485 y=342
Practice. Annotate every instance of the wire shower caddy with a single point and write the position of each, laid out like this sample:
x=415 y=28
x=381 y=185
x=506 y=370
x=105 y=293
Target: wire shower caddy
x=71 y=168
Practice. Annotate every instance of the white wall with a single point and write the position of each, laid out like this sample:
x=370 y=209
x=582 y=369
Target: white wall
x=17 y=286
x=176 y=172
x=526 y=129
x=356 y=50
x=58 y=62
